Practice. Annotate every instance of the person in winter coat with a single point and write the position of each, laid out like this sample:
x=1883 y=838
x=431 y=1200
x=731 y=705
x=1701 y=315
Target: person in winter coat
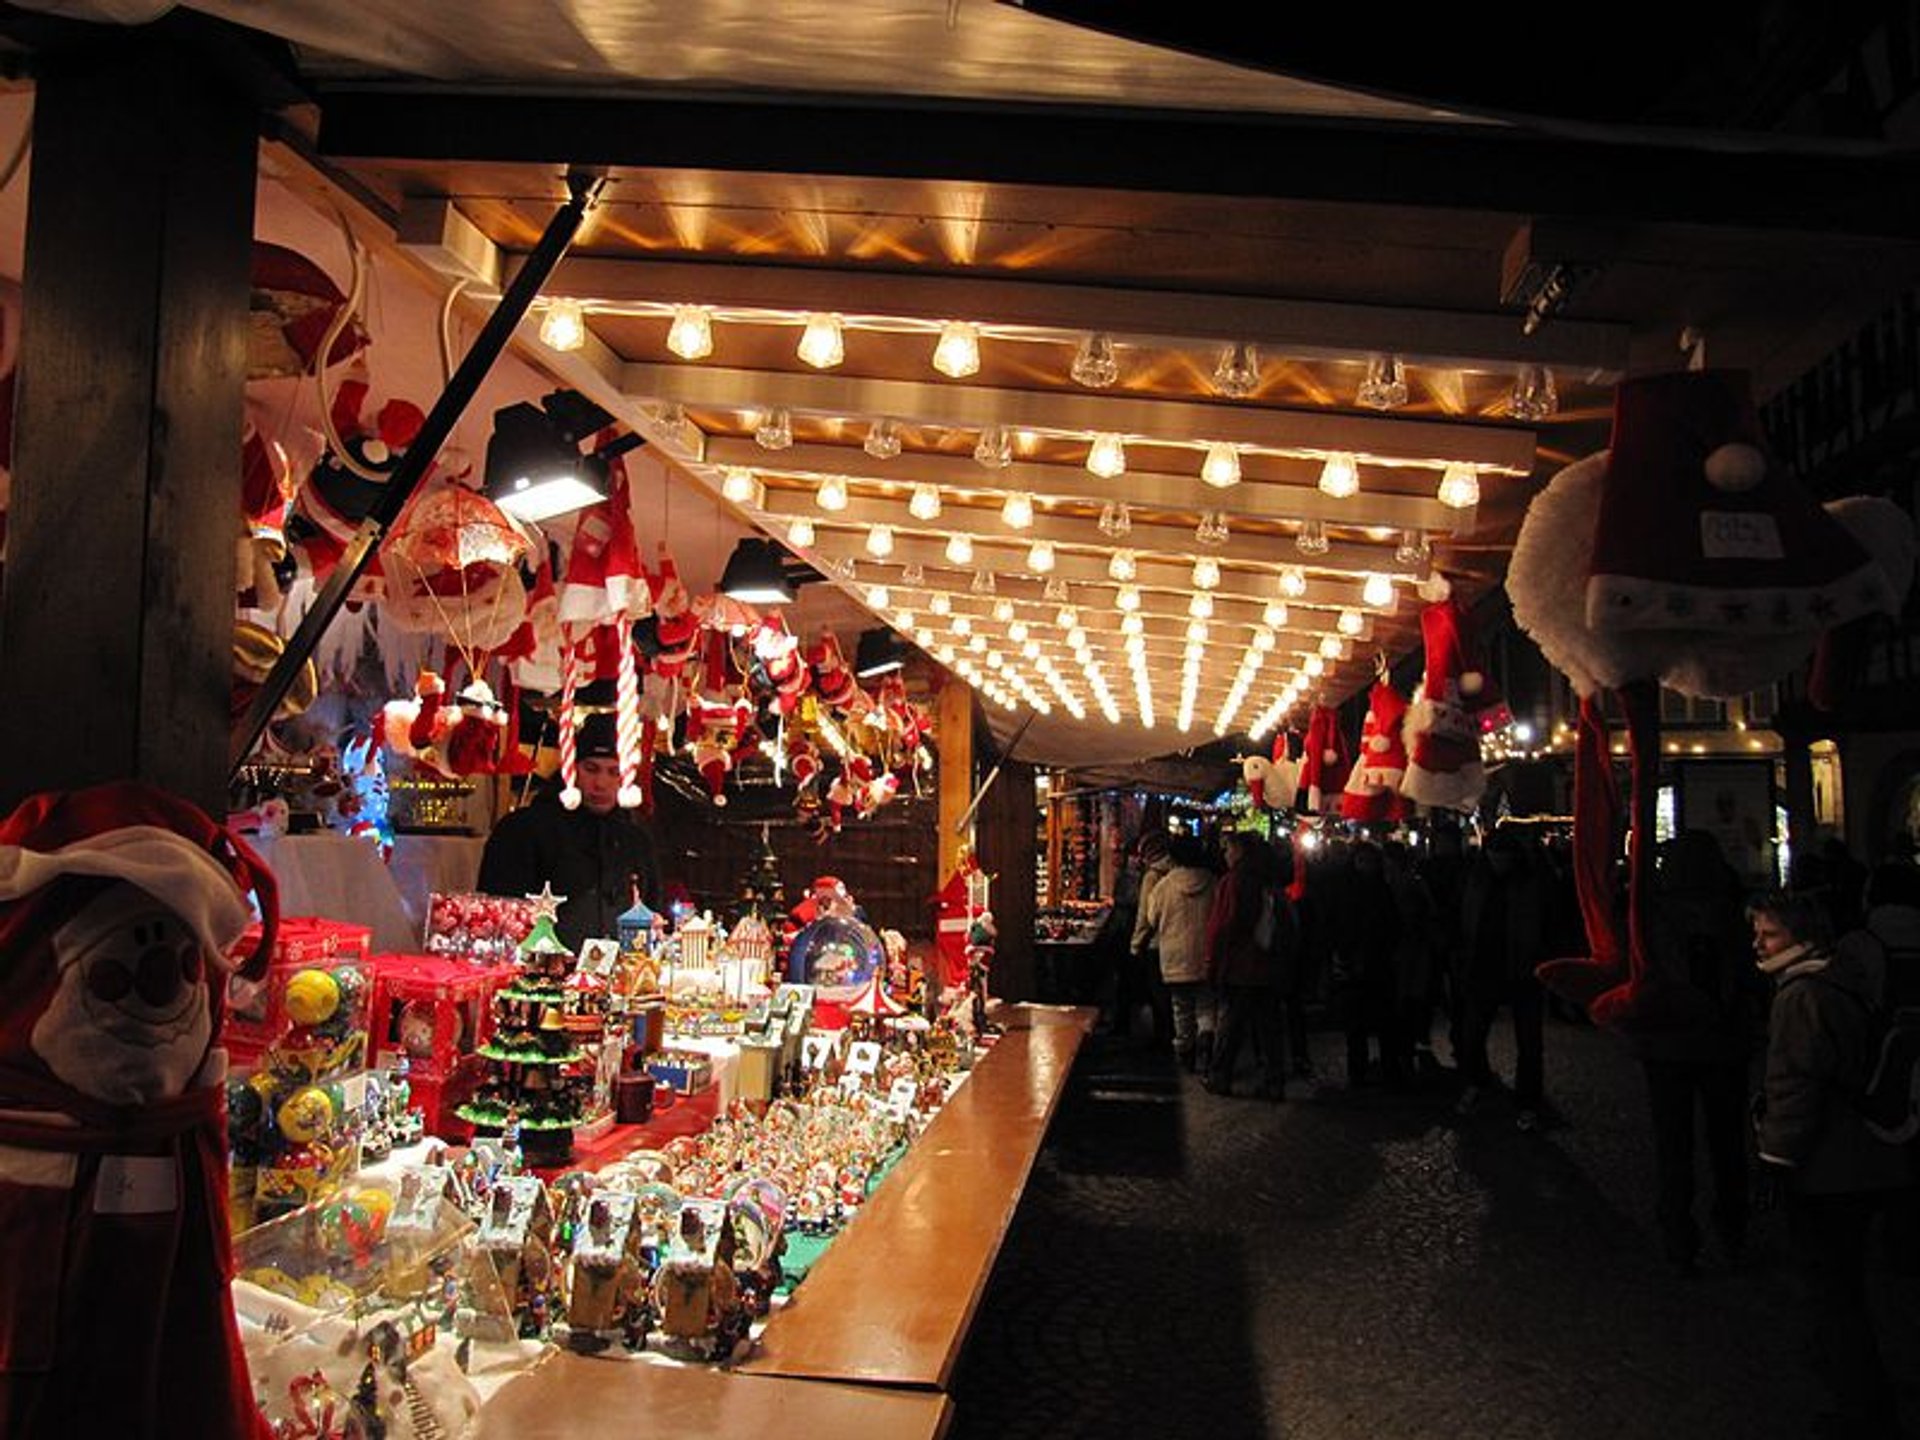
x=1249 y=935
x=1502 y=938
x=1410 y=1033
x=1834 y=1173
x=1363 y=968
x=1173 y=916
x=1698 y=927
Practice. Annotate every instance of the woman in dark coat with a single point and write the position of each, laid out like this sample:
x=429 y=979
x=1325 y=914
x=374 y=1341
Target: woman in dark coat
x=1249 y=937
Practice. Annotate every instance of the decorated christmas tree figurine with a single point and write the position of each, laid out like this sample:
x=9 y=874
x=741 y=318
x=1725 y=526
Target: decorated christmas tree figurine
x=534 y=1080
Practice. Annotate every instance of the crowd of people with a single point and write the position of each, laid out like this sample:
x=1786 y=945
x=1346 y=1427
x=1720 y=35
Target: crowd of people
x=1231 y=944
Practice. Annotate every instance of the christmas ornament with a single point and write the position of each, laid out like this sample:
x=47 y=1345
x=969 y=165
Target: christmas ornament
x=1324 y=765
x=1373 y=788
x=1455 y=704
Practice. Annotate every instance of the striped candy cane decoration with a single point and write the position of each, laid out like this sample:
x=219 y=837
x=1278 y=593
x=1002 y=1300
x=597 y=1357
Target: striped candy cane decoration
x=626 y=721
x=569 y=733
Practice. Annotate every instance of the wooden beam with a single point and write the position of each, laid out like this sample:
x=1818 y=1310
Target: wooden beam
x=1506 y=449
x=116 y=615
x=953 y=746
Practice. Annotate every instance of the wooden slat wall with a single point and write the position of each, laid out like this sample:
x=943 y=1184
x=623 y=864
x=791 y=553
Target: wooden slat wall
x=1006 y=832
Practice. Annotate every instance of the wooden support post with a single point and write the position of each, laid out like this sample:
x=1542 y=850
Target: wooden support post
x=953 y=742
x=1009 y=826
x=116 y=612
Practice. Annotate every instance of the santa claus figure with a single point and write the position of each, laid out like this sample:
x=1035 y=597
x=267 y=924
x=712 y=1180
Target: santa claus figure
x=1456 y=704
x=1373 y=788
x=1323 y=768
x=118 y=906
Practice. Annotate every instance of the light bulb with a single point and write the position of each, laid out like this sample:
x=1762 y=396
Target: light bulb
x=1237 y=374
x=1094 y=365
x=925 y=503
x=822 y=345
x=691 y=334
x=1263 y=640
x=913 y=573
x=1340 y=477
x=878 y=597
x=775 y=430
x=958 y=353
x=1017 y=632
x=880 y=541
x=923 y=637
x=1030 y=649
x=1127 y=598
x=1206 y=572
x=962 y=625
x=1212 y=529
x=1122 y=565
x=1116 y=519
x=1018 y=511
x=1293 y=582
x=1413 y=548
x=960 y=548
x=832 y=494
x=1067 y=618
x=1460 y=487
x=1275 y=614
x=1312 y=539
x=1385 y=387
x=1350 y=622
x=995 y=660
x=1197 y=632
x=883 y=440
x=1108 y=457
x=1330 y=647
x=1221 y=468
x=737 y=485
x=983 y=582
x=977 y=644
x=940 y=603
x=1040 y=557
x=903 y=621
x=1056 y=591
x=1533 y=396
x=564 y=327
x=1314 y=666
x=1201 y=605
x=1378 y=591
x=1133 y=625
x=800 y=533
x=995 y=448
x=1003 y=610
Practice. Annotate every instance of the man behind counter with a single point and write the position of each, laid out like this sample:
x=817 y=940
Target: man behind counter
x=594 y=855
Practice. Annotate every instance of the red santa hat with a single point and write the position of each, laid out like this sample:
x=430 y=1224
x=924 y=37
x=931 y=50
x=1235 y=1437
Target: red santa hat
x=676 y=629
x=132 y=832
x=714 y=761
x=1373 y=788
x=1457 y=702
x=1700 y=529
x=1323 y=771
x=605 y=580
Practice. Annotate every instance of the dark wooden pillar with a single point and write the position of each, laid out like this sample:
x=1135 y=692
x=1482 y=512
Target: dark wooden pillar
x=116 y=611
x=1006 y=829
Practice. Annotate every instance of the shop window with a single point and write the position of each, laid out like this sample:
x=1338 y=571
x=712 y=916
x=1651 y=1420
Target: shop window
x=1829 y=794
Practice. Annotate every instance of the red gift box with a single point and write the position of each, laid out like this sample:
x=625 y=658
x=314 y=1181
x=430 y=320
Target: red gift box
x=433 y=1009
x=438 y=1098
x=257 y=1009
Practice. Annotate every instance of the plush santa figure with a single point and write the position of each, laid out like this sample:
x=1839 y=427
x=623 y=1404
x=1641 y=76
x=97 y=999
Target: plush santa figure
x=1373 y=788
x=778 y=651
x=342 y=489
x=1456 y=703
x=1323 y=768
x=1683 y=556
x=803 y=758
x=832 y=677
x=118 y=906
x=673 y=634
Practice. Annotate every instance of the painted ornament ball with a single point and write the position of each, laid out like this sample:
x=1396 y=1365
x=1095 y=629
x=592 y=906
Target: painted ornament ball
x=312 y=997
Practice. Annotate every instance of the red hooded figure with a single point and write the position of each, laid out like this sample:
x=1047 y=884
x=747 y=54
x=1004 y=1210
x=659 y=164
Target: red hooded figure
x=117 y=908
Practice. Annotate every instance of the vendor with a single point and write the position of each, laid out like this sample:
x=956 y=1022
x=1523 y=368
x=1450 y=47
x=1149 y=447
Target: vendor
x=596 y=855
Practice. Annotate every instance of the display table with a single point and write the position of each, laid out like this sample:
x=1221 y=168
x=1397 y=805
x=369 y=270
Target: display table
x=868 y=1343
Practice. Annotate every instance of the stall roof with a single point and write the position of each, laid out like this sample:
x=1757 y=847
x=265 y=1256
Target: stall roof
x=902 y=166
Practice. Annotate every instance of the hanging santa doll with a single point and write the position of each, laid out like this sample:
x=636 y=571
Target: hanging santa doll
x=118 y=906
x=1683 y=556
x=1456 y=704
x=1324 y=766
x=1373 y=788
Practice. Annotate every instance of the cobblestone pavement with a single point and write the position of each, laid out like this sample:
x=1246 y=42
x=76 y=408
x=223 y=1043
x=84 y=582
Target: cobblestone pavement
x=1374 y=1265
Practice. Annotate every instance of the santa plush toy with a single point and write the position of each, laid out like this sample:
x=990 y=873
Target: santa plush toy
x=118 y=906
x=1373 y=788
x=1682 y=556
x=1456 y=704
x=1324 y=766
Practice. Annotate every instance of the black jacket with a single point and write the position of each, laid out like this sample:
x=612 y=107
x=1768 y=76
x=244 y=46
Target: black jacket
x=593 y=860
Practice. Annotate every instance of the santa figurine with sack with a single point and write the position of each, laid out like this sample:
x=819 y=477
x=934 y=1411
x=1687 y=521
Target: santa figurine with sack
x=1373 y=788
x=118 y=907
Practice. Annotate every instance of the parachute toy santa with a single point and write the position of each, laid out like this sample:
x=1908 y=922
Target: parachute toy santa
x=118 y=906
x=1373 y=788
x=1682 y=556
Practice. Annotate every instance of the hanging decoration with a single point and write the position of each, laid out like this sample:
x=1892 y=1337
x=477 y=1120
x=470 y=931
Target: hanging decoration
x=1372 y=793
x=1455 y=705
x=1326 y=759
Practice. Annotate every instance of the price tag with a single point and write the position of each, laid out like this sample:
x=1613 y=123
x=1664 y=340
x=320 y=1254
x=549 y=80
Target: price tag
x=864 y=1058
x=136 y=1185
x=816 y=1052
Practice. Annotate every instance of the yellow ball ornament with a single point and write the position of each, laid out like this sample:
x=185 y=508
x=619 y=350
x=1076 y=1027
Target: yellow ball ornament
x=312 y=997
x=307 y=1116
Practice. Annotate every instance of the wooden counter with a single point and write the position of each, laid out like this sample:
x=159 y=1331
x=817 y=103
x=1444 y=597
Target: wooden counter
x=891 y=1301
x=569 y=1397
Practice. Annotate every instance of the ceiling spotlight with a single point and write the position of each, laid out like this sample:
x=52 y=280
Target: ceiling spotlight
x=1108 y=457
x=903 y=620
x=1018 y=511
x=883 y=440
x=1263 y=640
x=880 y=541
x=1312 y=539
x=1206 y=572
x=800 y=533
x=1221 y=468
x=1378 y=591
x=962 y=625
x=1275 y=614
x=1350 y=622
x=1533 y=396
x=775 y=430
x=1197 y=631
x=1413 y=548
x=1122 y=565
x=1340 y=477
x=977 y=644
x=1056 y=591
x=1293 y=582
x=1116 y=519
x=1040 y=557
x=925 y=502
x=1385 y=387
x=1030 y=649
x=1212 y=529
x=1003 y=610
x=940 y=603
x=1314 y=666
x=1127 y=598
x=738 y=485
x=983 y=582
x=878 y=597
x=958 y=353
x=1067 y=618
x=1017 y=632
x=691 y=334
x=1133 y=625
x=1460 y=487
x=960 y=548
x=754 y=574
x=534 y=468
x=1201 y=605
x=1094 y=365
x=821 y=344
x=564 y=327
x=995 y=449
x=1237 y=373
x=832 y=494
x=923 y=637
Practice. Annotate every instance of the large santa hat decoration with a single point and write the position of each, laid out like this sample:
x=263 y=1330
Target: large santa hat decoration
x=1373 y=788
x=1456 y=703
x=1323 y=768
x=1682 y=556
